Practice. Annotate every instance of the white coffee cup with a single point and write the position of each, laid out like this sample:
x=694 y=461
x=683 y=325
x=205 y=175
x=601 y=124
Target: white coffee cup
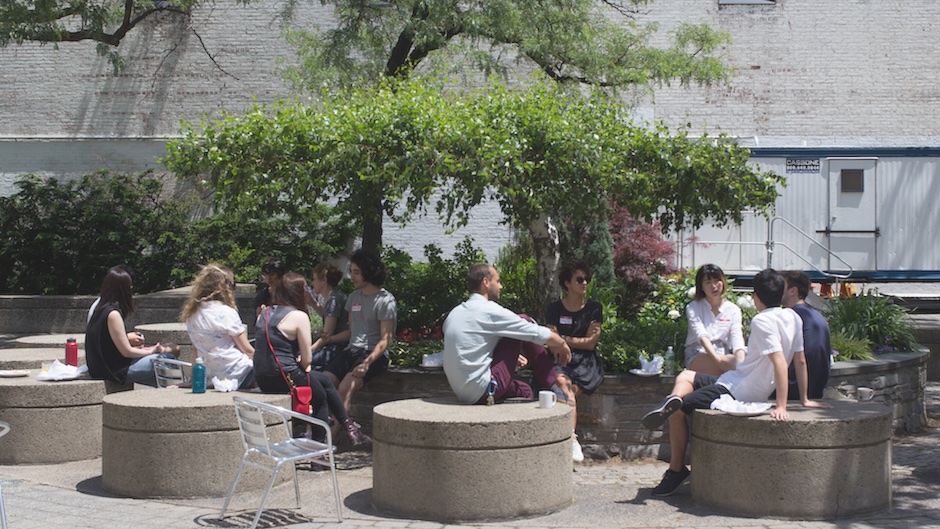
x=547 y=399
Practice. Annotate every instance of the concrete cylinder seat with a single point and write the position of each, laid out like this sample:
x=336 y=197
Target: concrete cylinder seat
x=52 y=422
x=165 y=333
x=51 y=341
x=436 y=459
x=821 y=464
x=172 y=443
x=33 y=358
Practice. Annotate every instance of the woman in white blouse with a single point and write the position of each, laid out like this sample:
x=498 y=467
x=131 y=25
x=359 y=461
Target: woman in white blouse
x=715 y=341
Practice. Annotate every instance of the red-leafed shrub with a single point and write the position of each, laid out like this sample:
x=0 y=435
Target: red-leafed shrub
x=640 y=254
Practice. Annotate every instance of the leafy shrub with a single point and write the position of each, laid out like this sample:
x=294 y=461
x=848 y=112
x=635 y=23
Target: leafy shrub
x=426 y=291
x=848 y=348
x=518 y=273
x=871 y=316
x=640 y=256
x=61 y=237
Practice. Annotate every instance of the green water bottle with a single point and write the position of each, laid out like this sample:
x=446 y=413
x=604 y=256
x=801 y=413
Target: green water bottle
x=199 y=376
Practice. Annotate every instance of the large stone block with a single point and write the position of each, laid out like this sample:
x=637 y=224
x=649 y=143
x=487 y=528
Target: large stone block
x=19 y=358
x=821 y=464
x=52 y=422
x=171 y=443
x=435 y=459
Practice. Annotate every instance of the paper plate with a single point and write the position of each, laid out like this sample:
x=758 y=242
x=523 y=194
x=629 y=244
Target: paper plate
x=641 y=373
x=753 y=411
x=13 y=373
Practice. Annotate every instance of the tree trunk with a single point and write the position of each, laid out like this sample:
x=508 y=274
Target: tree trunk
x=372 y=226
x=544 y=235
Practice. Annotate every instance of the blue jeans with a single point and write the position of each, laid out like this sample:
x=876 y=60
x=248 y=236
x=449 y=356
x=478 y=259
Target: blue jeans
x=141 y=371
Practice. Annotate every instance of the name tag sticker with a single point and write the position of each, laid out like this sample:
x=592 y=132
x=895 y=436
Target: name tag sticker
x=565 y=320
x=357 y=307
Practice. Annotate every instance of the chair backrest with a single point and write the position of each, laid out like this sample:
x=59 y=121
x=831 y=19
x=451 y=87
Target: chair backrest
x=169 y=372
x=4 y=428
x=250 y=414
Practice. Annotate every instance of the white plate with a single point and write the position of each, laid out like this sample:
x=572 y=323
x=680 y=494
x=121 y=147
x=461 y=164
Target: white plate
x=758 y=410
x=13 y=373
x=641 y=373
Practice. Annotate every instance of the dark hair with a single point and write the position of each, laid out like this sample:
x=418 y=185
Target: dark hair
x=274 y=265
x=768 y=287
x=371 y=266
x=292 y=292
x=709 y=271
x=330 y=273
x=568 y=270
x=476 y=275
x=798 y=279
x=117 y=288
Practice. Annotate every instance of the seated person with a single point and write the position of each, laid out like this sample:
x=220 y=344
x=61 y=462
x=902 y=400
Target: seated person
x=135 y=338
x=215 y=328
x=482 y=343
x=325 y=278
x=816 y=339
x=282 y=356
x=578 y=321
x=776 y=339
x=108 y=351
x=372 y=315
x=714 y=343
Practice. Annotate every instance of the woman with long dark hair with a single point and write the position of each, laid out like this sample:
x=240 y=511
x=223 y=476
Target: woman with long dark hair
x=108 y=352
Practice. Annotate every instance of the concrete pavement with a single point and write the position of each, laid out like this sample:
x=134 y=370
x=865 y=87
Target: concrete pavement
x=607 y=495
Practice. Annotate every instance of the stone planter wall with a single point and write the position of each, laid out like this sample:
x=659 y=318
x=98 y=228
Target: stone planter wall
x=609 y=421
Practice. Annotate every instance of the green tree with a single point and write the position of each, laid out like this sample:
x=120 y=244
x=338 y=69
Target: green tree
x=534 y=151
x=584 y=41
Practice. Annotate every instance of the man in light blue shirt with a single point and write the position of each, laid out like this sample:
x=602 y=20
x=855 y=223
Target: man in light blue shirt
x=483 y=340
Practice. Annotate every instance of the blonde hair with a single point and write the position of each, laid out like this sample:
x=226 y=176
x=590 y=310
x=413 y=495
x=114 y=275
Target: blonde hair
x=214 y=282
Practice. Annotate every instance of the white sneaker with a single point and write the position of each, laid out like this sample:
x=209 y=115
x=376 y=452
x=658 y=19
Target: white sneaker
x=576 y=454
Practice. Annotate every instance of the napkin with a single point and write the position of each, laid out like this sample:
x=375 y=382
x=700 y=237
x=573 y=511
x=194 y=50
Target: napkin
x=654 y=365
x=60 y=371
x=433 y=360
x=727 y=404
x=225 y=385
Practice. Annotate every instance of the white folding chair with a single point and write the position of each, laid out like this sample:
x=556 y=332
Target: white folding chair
x=4 y=429
x=169 y=372
x=274 y=454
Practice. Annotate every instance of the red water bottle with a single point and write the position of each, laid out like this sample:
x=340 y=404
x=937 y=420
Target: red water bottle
x=71 y=352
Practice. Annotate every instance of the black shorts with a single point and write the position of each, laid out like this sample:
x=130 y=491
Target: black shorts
x=706 y=390
x=350 y=357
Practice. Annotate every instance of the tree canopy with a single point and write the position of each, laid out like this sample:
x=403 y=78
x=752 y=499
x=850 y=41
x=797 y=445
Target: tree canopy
x=536 y=151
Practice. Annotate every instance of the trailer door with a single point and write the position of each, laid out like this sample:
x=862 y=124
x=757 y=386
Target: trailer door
x=852 y=229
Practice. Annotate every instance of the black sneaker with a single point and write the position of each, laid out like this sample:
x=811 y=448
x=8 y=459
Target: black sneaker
x=658 y=416
x=671 y=481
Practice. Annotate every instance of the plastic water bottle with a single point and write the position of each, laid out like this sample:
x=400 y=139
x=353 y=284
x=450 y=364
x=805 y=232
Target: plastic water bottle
x=199 y=376
x=669 y=362
x=71 y=352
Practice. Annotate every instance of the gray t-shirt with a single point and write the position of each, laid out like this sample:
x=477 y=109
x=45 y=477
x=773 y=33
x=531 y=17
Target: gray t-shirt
x=366 y=314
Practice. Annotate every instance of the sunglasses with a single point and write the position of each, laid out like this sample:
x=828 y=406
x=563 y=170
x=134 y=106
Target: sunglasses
x=582 y=280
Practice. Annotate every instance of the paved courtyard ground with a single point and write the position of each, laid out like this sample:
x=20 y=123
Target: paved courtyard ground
x=608 y=494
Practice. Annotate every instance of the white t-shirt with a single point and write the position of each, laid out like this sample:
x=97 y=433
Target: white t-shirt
x=773 y=330
x=211 y=330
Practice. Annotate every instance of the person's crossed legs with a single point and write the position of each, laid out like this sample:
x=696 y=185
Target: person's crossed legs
x=503 y=369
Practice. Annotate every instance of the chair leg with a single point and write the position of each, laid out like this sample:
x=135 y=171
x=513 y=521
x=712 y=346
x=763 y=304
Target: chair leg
x=339 y=505
x=231 y=489
x=3 y=512
x=264 y=497
x=293 y=471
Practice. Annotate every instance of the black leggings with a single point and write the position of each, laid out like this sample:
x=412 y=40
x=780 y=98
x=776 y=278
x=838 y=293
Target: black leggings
x=326 y=398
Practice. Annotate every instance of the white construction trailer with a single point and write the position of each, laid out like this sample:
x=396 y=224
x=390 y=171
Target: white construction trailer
x=853 y=214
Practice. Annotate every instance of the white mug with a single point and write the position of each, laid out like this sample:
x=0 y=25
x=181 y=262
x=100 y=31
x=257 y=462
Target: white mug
x=547 y=399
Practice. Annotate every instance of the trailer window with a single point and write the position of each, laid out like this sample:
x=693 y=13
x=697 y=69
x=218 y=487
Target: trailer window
x=852 y=181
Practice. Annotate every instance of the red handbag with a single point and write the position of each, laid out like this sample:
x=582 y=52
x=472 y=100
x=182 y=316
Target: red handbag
x=301 y=397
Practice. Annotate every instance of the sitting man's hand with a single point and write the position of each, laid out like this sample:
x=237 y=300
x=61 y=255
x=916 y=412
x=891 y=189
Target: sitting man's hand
x=521 y=362
x=562 y=353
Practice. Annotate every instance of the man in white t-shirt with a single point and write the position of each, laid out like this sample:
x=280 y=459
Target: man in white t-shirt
x=776 y=339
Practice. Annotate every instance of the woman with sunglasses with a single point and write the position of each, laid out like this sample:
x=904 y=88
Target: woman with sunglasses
x=715 y=340
x=578 y=321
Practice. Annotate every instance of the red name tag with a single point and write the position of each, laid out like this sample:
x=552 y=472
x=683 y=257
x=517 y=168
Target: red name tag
x=357 y=307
